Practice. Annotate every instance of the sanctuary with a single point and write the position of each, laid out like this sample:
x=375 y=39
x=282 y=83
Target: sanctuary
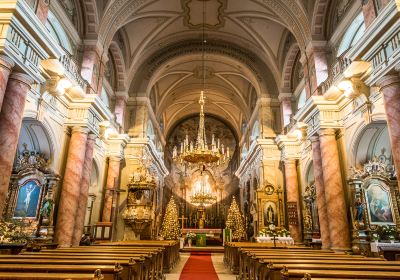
x=199 y=139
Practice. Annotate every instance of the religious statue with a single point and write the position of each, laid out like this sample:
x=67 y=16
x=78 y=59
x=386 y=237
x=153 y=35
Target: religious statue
x=359 y=207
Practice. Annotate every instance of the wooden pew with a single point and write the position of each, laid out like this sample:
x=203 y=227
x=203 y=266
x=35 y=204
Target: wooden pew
x=154 y=266
x=171 y=255
x=137 y=267
x=109 y=272
x=51 y=276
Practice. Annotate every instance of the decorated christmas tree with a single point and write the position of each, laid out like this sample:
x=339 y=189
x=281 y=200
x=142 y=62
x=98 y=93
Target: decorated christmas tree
x=170 y=229
x=234 y=222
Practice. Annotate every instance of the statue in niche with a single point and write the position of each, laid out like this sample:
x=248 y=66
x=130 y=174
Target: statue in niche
x=360 y=208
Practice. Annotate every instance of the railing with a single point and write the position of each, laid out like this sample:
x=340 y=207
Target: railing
x=73 y=70
x=342 y=62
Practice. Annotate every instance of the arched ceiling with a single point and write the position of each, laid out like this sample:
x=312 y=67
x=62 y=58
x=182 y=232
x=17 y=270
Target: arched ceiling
x=162 y=43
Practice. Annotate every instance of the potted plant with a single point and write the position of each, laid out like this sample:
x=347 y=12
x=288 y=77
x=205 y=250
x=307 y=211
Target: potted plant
x=190 y=236
x=374 y=237
x=389 y=232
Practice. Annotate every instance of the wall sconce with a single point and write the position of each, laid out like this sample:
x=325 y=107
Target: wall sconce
x=353 y=88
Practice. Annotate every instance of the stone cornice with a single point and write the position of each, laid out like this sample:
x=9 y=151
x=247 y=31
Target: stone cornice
x=289 y=145
x=150 y=149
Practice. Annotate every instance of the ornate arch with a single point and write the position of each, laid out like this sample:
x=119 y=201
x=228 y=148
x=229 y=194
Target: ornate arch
x=120 y=67
x=91 y=17
x=288 y=66
x=318 y=18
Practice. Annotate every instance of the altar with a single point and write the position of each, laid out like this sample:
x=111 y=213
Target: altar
x=205 y=236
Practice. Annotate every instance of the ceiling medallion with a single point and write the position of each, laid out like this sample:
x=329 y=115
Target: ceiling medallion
x=193 y=19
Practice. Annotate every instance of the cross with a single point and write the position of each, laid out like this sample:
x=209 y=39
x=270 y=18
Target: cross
x=182 y=218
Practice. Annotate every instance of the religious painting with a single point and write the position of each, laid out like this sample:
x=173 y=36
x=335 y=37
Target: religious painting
x=28 y=200
x=270 y=213
x=379 y=203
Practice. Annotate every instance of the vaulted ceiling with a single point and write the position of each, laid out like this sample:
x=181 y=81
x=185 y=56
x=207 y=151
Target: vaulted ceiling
x=163 y=50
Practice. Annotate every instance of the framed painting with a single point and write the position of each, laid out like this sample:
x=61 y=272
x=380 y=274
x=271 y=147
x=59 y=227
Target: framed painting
x=270 y=213
x=379 y=204
x=28 y=200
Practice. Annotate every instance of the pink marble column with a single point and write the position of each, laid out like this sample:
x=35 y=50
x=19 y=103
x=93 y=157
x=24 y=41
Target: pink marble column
x=84 y=191
x=92 y=69
x=6 y=65
x=292 y=195
x=319 y=184
x=120 y=110
x=42 y=10
x=114 y=166
x=334 y=193
x=70 y=191
x=369 y=12
x=10 y=125
x=390 y=89
x=286 y=105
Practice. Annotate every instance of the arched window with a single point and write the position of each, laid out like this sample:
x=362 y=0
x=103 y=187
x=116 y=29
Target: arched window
x=352 y=34
x=301 y=99
x=56 y=30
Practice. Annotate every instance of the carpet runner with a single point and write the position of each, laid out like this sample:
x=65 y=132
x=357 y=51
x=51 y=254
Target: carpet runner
x=199 y=266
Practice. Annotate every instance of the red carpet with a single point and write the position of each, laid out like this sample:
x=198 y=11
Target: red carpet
x=199 y=267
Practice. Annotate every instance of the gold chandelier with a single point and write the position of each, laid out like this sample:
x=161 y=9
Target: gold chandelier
x=200 y=152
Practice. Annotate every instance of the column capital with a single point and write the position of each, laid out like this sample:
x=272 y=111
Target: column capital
x=92 y=137
x=289 y=161
x=314 y=138
x=6 y=62
x=115 y=158
x=285 y=96
x=388 y=80
x=22 y=78
x=327 y=132
x=80 y=129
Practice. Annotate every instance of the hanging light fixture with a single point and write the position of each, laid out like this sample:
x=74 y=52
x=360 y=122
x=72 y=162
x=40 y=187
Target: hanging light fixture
x=198 y=151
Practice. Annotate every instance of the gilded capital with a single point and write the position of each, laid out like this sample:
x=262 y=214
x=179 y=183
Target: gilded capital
x=327 y=132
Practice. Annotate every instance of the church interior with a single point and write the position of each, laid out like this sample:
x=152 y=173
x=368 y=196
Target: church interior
x=199 y=139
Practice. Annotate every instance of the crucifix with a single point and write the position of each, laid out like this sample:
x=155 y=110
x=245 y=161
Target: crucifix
x=182 y=218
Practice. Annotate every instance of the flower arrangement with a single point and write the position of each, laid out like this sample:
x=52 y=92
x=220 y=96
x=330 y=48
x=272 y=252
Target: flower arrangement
x=272 y=231
x=375 y=236
x=283 y=232
x=191 y=235
x=13 y=232
x=389 y=232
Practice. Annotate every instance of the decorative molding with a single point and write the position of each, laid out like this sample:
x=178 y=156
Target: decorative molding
x=220 y=6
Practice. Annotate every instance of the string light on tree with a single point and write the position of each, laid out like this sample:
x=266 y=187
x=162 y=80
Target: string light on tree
x=234 y=222
x=170 y=229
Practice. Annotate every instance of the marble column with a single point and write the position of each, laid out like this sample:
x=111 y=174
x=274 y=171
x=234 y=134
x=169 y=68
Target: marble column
x=84 y=191
x=292 y=195
x=390 y=89
x=120 y=110
x=320 y=190
x=70 y=191
x=334 y=193
x=6 y=65
x=10 y=125
x=286 y=107
x=114 y=165
x=42 y=10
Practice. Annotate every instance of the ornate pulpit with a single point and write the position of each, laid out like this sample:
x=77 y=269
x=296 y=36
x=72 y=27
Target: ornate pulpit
x=139 y=211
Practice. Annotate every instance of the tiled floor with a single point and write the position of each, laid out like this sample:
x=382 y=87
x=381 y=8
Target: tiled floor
x=223 y=273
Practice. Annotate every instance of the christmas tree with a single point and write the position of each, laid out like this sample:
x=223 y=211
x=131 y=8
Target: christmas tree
x=234 y=222
x=170 y=229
